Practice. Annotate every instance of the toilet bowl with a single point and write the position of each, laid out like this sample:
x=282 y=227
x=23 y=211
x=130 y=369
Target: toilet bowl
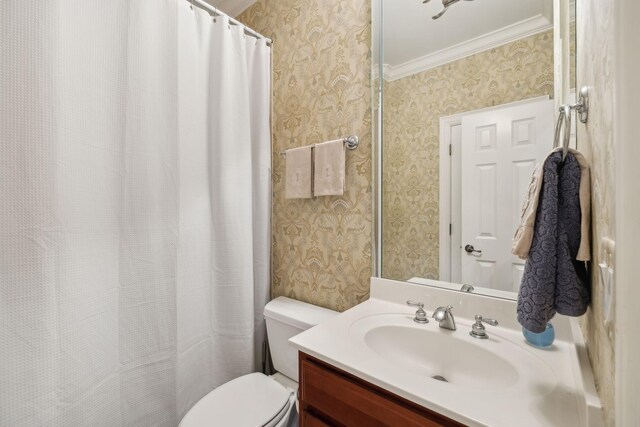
x=258 y=400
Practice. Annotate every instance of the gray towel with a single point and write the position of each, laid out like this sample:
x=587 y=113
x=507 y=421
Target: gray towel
x=553 y=280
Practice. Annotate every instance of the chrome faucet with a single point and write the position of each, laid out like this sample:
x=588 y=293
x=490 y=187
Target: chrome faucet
x=445 y=318
x=467 y=288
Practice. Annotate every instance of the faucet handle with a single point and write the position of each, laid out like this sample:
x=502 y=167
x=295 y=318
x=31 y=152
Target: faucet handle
x=421 y=315
x=492 y=322
x=478 y=330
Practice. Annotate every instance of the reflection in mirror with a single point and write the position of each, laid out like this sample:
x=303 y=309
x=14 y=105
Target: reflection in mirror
x=467 y=113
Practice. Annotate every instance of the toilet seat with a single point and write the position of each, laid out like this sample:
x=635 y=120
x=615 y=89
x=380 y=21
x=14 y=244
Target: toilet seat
x=253 y=400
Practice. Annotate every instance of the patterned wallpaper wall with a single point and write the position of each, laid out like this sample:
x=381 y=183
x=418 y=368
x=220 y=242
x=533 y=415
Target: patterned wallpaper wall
x=321 y=91
x=595 y=45
x=412 y=109
x=322 y=247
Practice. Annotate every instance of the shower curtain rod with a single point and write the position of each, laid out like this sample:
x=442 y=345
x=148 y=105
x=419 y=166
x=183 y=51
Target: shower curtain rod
x=248 y=31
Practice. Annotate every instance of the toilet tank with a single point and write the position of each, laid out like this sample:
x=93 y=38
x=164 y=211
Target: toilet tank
x=286 y=318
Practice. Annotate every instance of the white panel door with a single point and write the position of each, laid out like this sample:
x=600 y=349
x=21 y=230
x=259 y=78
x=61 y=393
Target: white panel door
x=500 y=149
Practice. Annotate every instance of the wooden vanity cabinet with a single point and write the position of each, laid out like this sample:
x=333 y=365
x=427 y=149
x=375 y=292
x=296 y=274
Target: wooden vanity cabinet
x=328 y=396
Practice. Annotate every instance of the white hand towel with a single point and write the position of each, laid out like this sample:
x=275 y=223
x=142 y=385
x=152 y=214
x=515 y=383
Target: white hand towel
x=298 y=173
x=329 y=173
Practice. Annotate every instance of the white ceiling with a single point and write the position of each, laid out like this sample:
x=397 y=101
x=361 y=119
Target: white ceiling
x=232 y=8
x=410 y=33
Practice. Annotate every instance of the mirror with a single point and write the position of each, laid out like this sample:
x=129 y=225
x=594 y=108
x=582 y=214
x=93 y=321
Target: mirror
x=467 y=109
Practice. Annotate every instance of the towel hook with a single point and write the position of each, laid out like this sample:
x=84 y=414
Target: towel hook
x=582 y=111
x=582 y=106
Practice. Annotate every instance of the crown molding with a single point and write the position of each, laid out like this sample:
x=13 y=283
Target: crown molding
x=519 y=30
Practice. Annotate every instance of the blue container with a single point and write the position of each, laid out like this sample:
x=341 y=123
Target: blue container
x=541 y=340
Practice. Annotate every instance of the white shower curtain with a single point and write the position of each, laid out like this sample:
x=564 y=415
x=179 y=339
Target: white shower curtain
x=134 y=209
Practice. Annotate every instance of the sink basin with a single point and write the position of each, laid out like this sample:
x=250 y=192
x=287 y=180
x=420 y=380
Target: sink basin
x=433 y=353
x=453 y=358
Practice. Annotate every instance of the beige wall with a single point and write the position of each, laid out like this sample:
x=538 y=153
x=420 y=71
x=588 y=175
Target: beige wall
x=321 y=63
x=412 y=110
x=627 y=212
x=595 y=45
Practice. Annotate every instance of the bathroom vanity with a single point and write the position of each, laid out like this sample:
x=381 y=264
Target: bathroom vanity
x=374 y=365
x=330 y=396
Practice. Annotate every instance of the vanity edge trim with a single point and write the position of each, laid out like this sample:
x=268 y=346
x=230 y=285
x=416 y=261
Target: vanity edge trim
x=593 y=411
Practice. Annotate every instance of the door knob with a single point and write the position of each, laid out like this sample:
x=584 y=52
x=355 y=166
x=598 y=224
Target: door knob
x=470 y=249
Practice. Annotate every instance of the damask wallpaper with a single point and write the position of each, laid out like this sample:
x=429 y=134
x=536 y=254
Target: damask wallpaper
x=596 y=44
x=412 y=108
x=321 y=91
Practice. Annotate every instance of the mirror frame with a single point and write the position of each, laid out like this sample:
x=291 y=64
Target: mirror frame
x=377 y=105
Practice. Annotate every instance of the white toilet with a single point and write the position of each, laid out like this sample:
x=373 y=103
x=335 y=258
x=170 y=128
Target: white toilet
x=257 y=400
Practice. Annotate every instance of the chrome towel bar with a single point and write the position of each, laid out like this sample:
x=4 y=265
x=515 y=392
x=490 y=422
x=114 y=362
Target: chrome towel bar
x=351 y=142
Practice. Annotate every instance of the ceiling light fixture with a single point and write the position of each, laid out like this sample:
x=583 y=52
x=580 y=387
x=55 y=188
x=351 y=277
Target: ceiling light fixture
x=446 y=4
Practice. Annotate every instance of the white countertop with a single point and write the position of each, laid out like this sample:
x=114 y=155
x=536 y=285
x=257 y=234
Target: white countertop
x=563 y=399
